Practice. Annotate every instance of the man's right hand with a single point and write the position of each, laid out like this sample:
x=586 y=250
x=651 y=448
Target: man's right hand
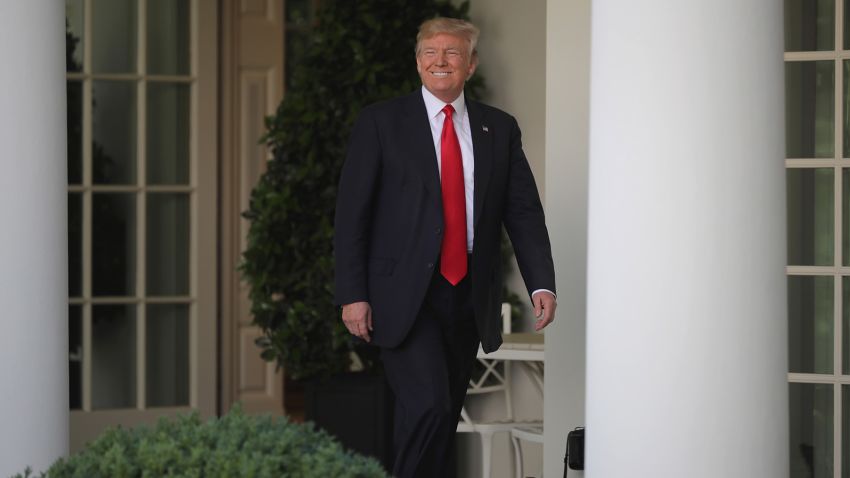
x=357 y=318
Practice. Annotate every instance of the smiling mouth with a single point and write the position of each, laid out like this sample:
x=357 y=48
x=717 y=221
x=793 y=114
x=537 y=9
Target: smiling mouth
x=440 y=74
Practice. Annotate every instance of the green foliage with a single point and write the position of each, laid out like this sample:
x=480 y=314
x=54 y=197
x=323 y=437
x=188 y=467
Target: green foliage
x=233 y=446
x=361 y=52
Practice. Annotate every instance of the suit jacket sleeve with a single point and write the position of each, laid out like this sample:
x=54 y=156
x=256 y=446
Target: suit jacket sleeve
x=525 y=222
x=353 y=217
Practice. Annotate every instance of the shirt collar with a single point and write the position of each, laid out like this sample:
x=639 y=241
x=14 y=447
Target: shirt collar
x=434 y=105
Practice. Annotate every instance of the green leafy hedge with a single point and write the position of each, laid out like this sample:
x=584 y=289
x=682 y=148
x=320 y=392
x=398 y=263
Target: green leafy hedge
x=233 y=446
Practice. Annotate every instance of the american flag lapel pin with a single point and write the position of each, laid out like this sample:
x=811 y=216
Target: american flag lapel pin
x=485 y=128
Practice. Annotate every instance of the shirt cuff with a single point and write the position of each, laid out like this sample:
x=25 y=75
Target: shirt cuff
x=544 y=290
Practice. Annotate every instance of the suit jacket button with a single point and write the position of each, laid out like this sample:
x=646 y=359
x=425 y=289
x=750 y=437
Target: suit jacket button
x=430 y=265
x=437 y=230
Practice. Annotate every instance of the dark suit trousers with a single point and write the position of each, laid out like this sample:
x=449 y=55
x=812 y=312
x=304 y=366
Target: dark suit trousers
x=429 y=374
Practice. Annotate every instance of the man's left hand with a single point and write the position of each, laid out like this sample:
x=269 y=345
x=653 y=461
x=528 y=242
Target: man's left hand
x=544 y=309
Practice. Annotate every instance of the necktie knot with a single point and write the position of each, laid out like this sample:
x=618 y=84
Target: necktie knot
x=449 y=110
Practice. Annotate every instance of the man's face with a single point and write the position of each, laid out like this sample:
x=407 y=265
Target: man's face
x=444 y=64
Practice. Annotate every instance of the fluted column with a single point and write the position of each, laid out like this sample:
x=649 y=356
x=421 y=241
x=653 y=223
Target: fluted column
x=33 y=242
x=686 y=322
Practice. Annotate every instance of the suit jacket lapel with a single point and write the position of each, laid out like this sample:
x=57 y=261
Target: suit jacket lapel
x=482 y=146
x=422 y=145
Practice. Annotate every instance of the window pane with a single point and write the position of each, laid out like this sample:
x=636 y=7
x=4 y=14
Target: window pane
x=114 y=244
x=75 y=244
x=809 y=109
x=810 y=324
x=811 y=221
x=167 y=355
x=811 y=429
x=168 y=133
x=847 y=32
x=113 y=36
x=845 y=431
x=809 y=25
x=168 y=244
x=75 y=356
x=113 y=364
x=845 y=331
x=846 y=106
x=75 y=132
x=168 y=37
x=114 y=132
x=845 y=216
x=74 y=28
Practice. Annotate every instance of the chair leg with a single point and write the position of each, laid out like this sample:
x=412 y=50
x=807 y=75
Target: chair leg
x=486 y=453
x=517 y=455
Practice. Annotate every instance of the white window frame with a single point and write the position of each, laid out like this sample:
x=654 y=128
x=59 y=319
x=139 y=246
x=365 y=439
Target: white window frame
x=838 y=163
x=202 y=189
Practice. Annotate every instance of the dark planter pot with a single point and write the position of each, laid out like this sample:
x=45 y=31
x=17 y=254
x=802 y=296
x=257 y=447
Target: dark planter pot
x=356 y=408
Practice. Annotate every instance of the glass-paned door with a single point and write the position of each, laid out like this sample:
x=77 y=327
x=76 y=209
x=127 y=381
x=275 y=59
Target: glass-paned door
x=817 y=98
x=137 y=199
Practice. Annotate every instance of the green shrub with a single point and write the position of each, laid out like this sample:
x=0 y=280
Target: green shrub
x=233 y=446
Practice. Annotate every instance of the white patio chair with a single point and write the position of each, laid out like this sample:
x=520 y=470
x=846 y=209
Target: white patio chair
x=520 y=434
x=495 y=379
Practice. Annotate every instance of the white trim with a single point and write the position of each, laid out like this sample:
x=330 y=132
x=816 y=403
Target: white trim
x=203 y=260
x=185 y=79
x=111 y=188
x=86 y=336
x=201 y=194
x=838 y=271
x=816 y=270
x=819 y=378
x=802 y=163
x=838 y=304
x=141 y=204
x=164 y=299
x=814 y=55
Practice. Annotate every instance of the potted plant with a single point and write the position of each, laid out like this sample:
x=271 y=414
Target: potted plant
x=360 y=52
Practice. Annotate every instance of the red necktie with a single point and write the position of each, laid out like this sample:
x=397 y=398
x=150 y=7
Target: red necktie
x=453 y=254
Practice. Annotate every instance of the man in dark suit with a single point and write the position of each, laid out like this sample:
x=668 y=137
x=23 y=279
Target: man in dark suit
x=428 y=182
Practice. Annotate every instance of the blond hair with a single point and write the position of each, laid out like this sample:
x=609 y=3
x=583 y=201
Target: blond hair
x=452 y=26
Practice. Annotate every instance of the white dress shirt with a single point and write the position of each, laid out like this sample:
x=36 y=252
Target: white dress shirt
x=434 y=106
x=436 y=117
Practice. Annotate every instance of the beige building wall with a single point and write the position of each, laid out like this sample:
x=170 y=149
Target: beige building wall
x=567 y=146
x=512 y=54
x=512 y=60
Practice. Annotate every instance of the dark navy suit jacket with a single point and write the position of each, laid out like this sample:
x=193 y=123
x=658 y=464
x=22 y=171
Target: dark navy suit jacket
x=389 y=219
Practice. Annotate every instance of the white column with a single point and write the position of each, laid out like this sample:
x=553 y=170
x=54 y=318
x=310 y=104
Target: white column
x=686 y=291
x=33 y=244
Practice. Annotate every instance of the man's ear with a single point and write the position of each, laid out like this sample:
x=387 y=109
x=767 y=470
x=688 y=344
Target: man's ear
x=473 y=65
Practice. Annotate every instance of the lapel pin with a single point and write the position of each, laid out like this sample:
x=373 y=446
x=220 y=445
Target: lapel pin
x=486 y=129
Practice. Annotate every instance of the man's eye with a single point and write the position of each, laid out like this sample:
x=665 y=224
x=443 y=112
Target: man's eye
x=452 y=53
